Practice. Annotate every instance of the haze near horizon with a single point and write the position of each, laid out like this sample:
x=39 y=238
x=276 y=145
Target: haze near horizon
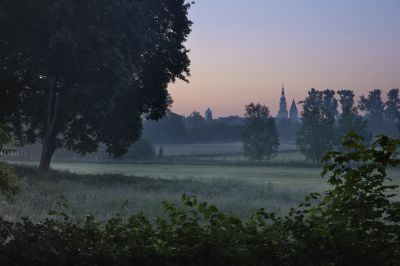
x=242 y=52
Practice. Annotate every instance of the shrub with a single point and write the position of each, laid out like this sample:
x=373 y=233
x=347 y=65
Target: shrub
x=10 y=184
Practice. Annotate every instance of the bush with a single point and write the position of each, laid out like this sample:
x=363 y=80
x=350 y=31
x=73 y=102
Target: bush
x=354 y=223
x=10 y=184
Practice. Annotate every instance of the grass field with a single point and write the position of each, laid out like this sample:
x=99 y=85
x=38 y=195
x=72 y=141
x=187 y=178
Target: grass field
x=101 y=189
x=283 y=156
x=212 y=148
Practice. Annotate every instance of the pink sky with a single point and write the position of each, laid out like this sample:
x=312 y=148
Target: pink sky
x=242 y=53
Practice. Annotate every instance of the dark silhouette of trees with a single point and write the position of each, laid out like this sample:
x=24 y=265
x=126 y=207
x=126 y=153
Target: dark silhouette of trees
x=287 y=129
x=349 y=119
x=330 y=104
x=373 y=107
x=392 y=112
x=75 y=74
x=260 y=137
x=169 y=129
x=392 y=105
x=195 y=119
x=142 y=150
x=316 y=134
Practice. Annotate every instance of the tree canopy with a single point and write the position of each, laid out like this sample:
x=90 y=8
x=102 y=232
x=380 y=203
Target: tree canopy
x=349 y=119
x=260 y=136
x=316 y=134
x=75 y=74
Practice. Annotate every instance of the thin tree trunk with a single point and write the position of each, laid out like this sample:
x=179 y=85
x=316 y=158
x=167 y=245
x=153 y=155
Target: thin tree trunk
x=48 y=149
x=49 y=141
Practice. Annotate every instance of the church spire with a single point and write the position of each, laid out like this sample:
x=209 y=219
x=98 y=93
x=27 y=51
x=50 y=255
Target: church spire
x=283 y=113
x=293 y=113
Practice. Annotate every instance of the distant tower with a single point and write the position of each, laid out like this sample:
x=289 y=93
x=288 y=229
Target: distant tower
x=283 y=113
x=294 y=113
x=208 y=115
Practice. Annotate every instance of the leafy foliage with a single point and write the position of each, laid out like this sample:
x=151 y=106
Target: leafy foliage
x=349 y=119
x=392 y=112
x=354 y=223
x=78 y=73
x=316 y=134
x=10 y=184
x=260 y=136
x=374 y=108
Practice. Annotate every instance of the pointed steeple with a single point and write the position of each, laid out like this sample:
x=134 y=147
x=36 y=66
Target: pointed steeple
x=293 y=113
x=283 y=113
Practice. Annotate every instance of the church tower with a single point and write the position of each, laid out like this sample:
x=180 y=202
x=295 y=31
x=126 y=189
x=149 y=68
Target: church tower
x=208 y=115
x=283 y=112
x=294 y=113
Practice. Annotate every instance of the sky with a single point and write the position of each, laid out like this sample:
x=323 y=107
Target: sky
x=242 y=51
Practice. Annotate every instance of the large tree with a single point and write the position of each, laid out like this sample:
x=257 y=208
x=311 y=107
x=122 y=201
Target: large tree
x=374 y=107
x=392 y=111
x=75 y=74
x=349 y=119
x=260 y=136
x=317 y=134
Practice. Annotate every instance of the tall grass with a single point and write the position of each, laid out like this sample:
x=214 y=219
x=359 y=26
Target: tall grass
x=105 y=195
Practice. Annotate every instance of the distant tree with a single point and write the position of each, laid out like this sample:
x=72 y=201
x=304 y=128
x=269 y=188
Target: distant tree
x=142 y=150
x=392 y=111
x=330 y=103
x=349 y=119
x=260 y=136
x=169 y=129
x=160 y=154
x=317 y=134
x=392 y=105
x=195 y=119
x=374 y=107
x=287 y=129
x=75 y=74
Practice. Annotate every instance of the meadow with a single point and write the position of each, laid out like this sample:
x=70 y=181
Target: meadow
x=106 y=189
x=232 y=148
x=219 y=177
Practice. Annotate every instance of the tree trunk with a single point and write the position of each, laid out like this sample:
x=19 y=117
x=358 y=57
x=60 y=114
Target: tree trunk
x=48 y=149
x=49 y=141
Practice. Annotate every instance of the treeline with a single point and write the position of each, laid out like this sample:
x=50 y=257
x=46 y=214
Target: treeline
x=326 y=116
x=322 y=125
x=174 y=128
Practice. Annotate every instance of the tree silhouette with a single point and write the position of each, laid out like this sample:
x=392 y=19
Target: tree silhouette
x=373 y=107
x=392 y=112
x=349 y=119
x=75 y=74
x=316 y=134
x=260 y=137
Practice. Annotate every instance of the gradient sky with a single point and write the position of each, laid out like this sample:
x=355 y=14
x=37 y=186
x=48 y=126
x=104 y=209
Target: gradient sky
x=242 y=51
